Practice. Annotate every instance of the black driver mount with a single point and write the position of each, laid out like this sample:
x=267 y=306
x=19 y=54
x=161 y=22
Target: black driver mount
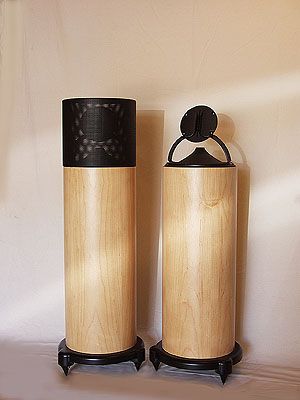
x=68 y=357
x=197 y=125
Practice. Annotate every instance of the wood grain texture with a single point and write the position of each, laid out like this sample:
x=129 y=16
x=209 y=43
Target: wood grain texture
x=199 y=245
x=100 y=260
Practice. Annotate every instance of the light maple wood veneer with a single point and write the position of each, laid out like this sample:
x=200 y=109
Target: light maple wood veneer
x=99 y=223
x=199 y=246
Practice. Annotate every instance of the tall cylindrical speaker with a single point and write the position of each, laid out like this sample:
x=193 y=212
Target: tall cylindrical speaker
x=199 y=252
x=99 y=158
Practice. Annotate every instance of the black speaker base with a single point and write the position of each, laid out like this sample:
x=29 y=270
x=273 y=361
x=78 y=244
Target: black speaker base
x=68 y=357
x=222 y=365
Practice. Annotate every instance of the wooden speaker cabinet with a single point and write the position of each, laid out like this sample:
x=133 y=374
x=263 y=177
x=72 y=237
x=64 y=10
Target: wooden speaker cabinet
x=199 y=252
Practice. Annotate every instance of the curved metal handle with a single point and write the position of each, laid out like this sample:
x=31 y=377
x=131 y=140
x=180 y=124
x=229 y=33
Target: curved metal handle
x=223 y=146
x=214 y=137
x=173 y=147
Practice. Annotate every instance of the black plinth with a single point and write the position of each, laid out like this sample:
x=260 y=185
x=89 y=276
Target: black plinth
x=222 y=365
x=68 y=357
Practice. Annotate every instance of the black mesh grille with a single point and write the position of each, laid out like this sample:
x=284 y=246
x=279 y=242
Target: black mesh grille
x=99 y=132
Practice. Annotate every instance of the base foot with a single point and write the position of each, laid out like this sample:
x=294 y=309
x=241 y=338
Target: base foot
x=68 y=357
x=224 y=369
x=153 y=357
x=222 y=365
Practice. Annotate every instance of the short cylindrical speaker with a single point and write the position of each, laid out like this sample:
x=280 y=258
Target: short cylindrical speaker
x=99 y=158
x=199 y=251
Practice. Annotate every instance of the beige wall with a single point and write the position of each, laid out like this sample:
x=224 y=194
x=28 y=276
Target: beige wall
x=240 y=57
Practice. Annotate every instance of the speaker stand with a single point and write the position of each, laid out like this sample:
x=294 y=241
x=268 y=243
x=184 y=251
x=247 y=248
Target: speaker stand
x=68 y=357
x=222 y=365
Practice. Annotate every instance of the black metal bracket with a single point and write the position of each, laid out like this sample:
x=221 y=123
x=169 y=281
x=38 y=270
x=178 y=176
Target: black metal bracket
x=197 y=125
x=222 y=365
x=214 y=137
x=68 y=357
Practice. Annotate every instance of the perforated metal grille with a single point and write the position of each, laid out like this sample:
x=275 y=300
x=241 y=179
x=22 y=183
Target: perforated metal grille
x=98 y=132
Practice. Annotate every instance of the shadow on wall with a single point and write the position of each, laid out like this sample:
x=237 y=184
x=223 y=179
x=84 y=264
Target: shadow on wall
x=150 y=129
x=226 y=130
